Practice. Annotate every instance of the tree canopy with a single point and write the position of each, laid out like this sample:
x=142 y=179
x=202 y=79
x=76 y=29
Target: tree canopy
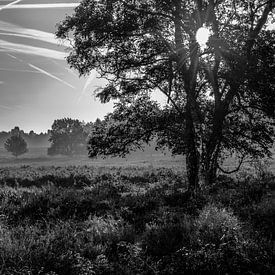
x=67 y=137
x=16 y=145
x=220 y=96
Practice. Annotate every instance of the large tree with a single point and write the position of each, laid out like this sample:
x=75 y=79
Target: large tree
x=67 y=137
x=220 y=92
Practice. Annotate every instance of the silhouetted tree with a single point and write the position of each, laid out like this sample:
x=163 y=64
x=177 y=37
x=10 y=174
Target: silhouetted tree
x=67 y=137
x=16 y=145
x=220 y=94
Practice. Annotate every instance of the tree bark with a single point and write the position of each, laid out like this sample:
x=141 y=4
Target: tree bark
x=192 y=155
x=209 y=159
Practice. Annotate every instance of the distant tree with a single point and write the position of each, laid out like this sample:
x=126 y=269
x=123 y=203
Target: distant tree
x=16 y=145
x=213 y=60
x=16 y=131
x=67 y=137
x=31 y=133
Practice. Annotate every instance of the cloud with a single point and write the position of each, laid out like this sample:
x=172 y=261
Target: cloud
x=10 y=47
x=5 y=107
x=39 y=6
x=12 y=56
x=14 y=107
x=66 y=68
x=9 y=5
x=16 y=70
x=18 y=31
x=88 y=82
x=1 y=82
x=51 y=75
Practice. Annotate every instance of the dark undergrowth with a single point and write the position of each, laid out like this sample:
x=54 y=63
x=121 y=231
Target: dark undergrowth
x=81 y=220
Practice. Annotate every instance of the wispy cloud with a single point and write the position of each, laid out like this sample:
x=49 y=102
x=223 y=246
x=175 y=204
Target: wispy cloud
x=39 y=6
x=12 y=56
x=88 y=82
x=9 y=5
x=5 y=107
x=16 y=70
x=66 y=68
x=40 y=71
x=51 y=75
x=14 y=107
x=10 y=47
x=1 y=82
x=9 y=29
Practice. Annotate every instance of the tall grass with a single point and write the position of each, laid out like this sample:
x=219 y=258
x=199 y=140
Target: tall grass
x=78 y=220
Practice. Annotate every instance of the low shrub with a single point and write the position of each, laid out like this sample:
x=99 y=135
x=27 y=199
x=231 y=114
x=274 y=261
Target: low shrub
x=133 y=221
x=217 y=226
x=166 y=234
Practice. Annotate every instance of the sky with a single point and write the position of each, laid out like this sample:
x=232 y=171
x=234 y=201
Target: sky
x=36 y=84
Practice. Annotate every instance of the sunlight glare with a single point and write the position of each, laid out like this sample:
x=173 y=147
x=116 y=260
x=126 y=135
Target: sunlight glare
x=202 y=36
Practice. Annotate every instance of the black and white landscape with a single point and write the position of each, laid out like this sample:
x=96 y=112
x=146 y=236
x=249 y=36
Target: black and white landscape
x=136 y=137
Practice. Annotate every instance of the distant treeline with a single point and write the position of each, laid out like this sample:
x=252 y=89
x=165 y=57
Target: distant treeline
x=69 y=136
x=33 y=139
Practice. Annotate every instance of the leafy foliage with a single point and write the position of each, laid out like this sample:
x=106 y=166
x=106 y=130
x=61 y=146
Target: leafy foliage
x=16 y=145
x=220 y=95
x=67 y=137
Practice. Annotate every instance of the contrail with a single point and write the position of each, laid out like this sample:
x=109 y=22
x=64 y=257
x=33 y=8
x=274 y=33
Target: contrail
x=31 y=50
x=50 y=75
x=22 y=61
x=8 y=6
x=87 y=84
x=67 y=69
x=71 y=71
x=20 y=71
x=6 y=107
x=49 y=39
x=14 y=57
x=39 y=6
x=19 y=31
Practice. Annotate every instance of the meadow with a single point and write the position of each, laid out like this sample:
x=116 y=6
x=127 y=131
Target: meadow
x=36 y=157
x=131 y=216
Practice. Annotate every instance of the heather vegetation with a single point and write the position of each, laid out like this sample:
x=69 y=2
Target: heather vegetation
x=81 y=220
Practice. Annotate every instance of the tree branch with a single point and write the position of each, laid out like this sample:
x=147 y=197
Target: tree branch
x=253 y=33
x=235 y=170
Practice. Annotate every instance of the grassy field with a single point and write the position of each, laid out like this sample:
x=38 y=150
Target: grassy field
x=132 y=220
x=36 y=157
x=69 y=216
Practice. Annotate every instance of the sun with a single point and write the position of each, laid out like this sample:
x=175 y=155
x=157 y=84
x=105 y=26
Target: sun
x=202 y=36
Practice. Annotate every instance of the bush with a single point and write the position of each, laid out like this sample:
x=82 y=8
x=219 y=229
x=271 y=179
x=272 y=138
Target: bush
x=109 y=230
x=166 y=234
x=217 y=226
x=220 y=246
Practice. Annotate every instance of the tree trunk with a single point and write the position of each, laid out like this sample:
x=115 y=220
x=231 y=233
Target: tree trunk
x=209 y=158
x=192 y=156
x=207 y=173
